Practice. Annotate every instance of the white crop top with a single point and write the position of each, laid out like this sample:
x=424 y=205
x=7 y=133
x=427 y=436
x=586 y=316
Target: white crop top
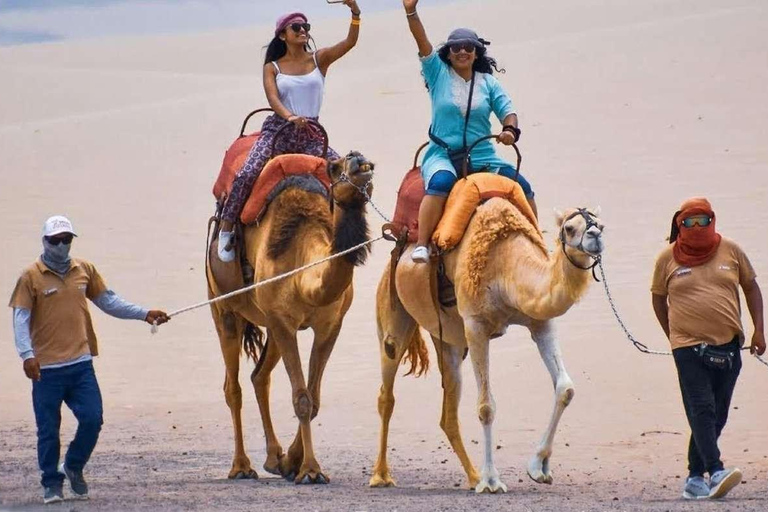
x=301 y=94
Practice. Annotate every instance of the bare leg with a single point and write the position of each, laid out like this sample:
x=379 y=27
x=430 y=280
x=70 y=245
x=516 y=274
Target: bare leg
x=230 y=329
x=449 y=422
x=477 y=338
x=261 y=385
x=430 y=211
x=543 y=334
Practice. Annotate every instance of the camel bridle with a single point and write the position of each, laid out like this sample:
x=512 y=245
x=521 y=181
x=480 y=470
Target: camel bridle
x=590 y=219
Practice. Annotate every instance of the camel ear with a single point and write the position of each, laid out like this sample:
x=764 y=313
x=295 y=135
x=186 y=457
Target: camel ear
x=559 y=216
x=335 y=168
x=597 y=211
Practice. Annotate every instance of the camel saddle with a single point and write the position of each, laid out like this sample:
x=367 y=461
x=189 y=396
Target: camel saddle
x=465 y=197
x=275 y=171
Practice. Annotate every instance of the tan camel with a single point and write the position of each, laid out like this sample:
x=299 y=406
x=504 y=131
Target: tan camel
x=298 y=228
x=502 y=277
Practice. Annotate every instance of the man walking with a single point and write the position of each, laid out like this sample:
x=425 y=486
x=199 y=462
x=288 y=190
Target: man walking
x=55 y=339
x=695 y=294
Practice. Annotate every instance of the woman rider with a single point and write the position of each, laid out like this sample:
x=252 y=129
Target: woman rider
x=449 y=76
x=294 y=80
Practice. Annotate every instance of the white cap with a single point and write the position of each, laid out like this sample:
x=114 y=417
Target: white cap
x=56 y=225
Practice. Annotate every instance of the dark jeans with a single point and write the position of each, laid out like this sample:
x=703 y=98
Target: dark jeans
x=76 y=386
x=707 y=396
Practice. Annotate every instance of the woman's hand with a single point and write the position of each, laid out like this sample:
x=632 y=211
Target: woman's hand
x=506 y=138
x=299 y=121
x=352 y=4
x=410 y=5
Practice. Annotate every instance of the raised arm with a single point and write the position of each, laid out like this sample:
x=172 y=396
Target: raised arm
x=327 y=56
x=417 y=28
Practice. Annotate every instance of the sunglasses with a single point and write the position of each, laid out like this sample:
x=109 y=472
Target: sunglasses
x=698 y=220
x=66 y=240
x=296 y=27
x=467 y=47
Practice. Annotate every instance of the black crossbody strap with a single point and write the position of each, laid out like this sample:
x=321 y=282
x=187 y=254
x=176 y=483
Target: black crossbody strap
x=469 y=107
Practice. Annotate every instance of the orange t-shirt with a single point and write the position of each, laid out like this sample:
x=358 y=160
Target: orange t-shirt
x=61 y=326
x=703 y=300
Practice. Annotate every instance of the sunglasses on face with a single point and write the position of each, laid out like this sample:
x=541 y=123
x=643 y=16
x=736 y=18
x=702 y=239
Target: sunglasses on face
x=296 y=27
x=66 y=240
x=698 y=220
x=467 y=47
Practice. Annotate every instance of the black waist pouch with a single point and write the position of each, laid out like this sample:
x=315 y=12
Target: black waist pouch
x=715 y=357
x=457 y=157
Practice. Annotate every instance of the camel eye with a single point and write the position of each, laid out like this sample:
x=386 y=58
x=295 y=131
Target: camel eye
x=569 y=230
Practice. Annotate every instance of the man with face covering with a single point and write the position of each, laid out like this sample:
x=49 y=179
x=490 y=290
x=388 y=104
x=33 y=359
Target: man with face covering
x=55 y=339
x=695 y=294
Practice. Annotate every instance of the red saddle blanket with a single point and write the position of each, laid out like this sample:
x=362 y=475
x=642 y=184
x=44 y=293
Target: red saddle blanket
x=276 y=170
x=409 y=198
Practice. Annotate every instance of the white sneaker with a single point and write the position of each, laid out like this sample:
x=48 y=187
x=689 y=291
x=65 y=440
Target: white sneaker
x=723 y=481
x=225 y=255
x=420 y=254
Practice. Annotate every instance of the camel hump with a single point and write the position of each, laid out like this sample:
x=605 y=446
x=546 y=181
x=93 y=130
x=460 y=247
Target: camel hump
x=467 y=195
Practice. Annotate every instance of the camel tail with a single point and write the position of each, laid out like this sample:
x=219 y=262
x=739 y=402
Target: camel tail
x=416 y=355
x=253 y=342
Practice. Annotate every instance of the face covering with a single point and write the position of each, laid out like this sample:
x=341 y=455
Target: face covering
x=698 y=244
x=56 y=257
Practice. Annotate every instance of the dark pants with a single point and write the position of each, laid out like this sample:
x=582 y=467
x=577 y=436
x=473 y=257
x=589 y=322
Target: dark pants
x=76 y=386
x=707 y=396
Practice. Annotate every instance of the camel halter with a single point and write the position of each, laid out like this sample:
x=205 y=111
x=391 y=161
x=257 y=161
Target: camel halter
x=589 y=218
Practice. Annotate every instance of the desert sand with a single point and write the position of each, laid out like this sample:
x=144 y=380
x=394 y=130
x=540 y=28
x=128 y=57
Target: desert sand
x=633 y=106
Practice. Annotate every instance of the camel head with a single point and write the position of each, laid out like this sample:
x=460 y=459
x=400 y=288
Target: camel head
x=581 y=234
x=352 y=178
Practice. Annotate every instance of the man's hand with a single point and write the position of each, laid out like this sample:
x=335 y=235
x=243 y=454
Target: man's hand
x=758 y=344
x=32 y=368
x=155 y=315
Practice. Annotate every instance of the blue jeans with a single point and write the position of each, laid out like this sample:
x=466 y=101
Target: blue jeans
x=441 y=183
x=76 y=386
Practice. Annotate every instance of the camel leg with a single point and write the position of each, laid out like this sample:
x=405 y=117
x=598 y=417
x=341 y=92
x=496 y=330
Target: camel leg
x=477 y=339
x=452 y=357
x=261 y=385
x=321 y=351
x=543 y=333
x=395 y=329
x=229 y=327
x=310 y=471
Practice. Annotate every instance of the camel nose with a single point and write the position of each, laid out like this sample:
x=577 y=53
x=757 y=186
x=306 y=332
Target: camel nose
x=594 y=232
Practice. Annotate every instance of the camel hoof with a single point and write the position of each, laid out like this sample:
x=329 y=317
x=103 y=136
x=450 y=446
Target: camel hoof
x=490 y=485
x=540 y=477
x=243 y=475
x=381 y=481
x=538 y=470
x=272 y=467
x=311 y=477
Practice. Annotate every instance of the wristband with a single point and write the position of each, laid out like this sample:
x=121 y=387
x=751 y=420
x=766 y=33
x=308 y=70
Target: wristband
x=409 y=14
x=513 y=130
x=355 y=22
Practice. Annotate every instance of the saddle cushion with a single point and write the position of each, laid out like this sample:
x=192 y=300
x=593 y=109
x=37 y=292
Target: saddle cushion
x=467 y=195
x=276 y=170
x=409 y=198
x=234 y=158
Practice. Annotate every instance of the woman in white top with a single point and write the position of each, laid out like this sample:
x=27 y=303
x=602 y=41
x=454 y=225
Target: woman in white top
x=294 y=80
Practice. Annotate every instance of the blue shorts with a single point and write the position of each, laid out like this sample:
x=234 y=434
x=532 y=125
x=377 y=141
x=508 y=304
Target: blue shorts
x=442 y=182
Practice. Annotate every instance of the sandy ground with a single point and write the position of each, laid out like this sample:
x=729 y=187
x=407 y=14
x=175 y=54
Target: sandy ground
x=630 y=105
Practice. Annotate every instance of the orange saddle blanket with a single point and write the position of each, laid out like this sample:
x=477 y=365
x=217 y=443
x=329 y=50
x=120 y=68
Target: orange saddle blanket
x=464 y=198
x=276 y=170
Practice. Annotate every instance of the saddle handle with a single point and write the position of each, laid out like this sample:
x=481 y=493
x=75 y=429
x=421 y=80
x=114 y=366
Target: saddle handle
x=248 y=117
x=481 y=139
x=418 y=152
x=311 y=124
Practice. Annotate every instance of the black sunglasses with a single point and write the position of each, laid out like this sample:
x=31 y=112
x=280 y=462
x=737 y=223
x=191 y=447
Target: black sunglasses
x=296 y=27
x=66 y=239
x=457 y=47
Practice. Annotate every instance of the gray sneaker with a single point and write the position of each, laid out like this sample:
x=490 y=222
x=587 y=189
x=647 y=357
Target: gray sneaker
x=696 y=488
x=53 y=494
x=76 y=482
x=723 y=481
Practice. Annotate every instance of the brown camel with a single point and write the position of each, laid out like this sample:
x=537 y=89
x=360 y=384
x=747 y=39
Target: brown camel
x=502 y=277
x=298 y=228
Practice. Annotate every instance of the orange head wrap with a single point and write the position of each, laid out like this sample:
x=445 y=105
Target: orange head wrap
x=698 y=244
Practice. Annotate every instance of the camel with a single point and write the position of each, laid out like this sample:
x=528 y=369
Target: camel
x=298 y=228
x=502 y=277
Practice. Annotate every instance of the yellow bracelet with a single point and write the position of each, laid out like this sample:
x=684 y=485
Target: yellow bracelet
x=355 y=23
